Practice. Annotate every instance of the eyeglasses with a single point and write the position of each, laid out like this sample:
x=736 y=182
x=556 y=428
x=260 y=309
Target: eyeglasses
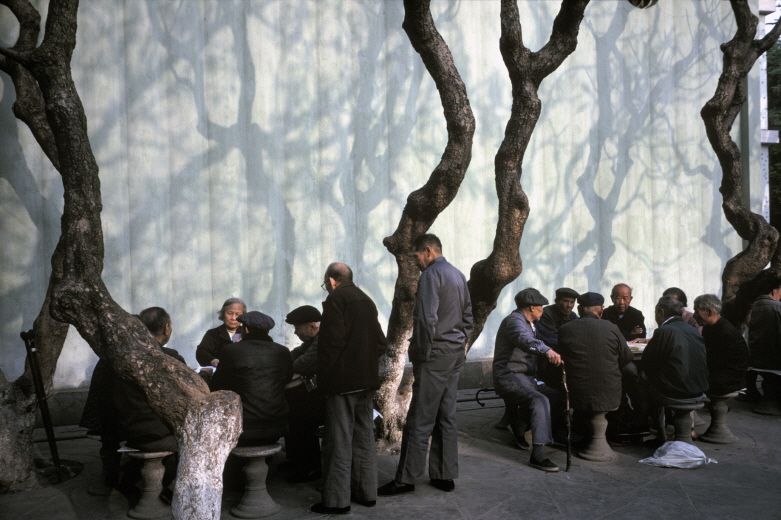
x=322 y=286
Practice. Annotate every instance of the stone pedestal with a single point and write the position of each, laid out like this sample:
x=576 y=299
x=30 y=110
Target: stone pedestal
x=598 y=449
x=682 y=420
x=718 y=431
x=256 y=502
x=150 y=505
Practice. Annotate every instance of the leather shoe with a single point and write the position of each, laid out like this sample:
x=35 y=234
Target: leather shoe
x=443 y=484
x=395 y=488
x=324 y=510
x=545 y=465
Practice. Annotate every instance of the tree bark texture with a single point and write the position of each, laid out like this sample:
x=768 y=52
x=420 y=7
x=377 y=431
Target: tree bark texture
x=719 y=114
x=527 y=70
x=422 y=208
x=78 y=294
x=18 y=402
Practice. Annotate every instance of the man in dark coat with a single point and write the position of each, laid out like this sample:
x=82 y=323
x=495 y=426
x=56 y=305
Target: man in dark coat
x=556 y=315
x=674 y=362
x=307 y=402
x=349 y=345
x=764 y=341
x=257 y=369
x=442 y=321
x=516 y=352
x=594 y=352
x=630 y=321
x=725 y=347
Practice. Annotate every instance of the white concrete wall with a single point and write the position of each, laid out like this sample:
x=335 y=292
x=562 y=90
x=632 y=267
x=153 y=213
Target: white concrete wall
x=244 y=145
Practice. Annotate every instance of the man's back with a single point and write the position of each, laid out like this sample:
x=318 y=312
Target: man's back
x=675 y=360
x=594 y=351
x=764 y=333
x=727 y=355
x=257 y=370
x=443 y=312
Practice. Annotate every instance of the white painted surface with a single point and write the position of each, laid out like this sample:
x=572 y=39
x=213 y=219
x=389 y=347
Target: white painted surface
x=244 y=145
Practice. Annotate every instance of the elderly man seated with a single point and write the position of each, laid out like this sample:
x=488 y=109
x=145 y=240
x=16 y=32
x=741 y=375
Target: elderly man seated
x=674 y=363
x=516 y=353
x=726 y=349
x=594 y=352
x=556 y=315
x=257 y=369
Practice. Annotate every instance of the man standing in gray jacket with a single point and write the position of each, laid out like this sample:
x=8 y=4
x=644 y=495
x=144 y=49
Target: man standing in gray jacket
x=442 y=323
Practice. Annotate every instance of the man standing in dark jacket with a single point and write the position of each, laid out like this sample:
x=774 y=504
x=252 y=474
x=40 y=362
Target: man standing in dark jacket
x=257 y=369
x=594 y=352
x=630 y=321
x=442 y=321
x=725 y=347
x=349 y=345
x=674 y=362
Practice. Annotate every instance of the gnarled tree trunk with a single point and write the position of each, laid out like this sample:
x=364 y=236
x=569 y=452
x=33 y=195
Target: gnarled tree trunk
x=207 y=426
x=719 y=113
x=422 y=208
x=527 y=70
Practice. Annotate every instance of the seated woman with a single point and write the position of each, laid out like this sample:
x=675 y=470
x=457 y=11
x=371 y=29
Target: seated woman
x=208 y=352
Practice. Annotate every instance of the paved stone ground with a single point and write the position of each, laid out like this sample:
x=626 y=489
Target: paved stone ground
x=497 y=483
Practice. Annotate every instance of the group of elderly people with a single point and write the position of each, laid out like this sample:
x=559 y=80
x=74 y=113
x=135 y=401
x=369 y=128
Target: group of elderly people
x=690 y=356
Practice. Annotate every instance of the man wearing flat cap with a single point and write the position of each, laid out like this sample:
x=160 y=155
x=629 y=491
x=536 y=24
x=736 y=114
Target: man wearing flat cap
x=307 y=402
x=257 y=369
x=594 y=352
x=556 y=315
x=517 y=349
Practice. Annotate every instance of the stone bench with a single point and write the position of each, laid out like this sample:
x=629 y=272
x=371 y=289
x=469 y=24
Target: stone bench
x=256 y=502
x=150 y=505
x=682 y=420
x=718 y=431
x=598 y=449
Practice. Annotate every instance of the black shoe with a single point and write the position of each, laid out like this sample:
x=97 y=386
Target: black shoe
x=364 y=503
x=545 y=465
x=323 y=510
x=443 y=484
x=654 y=443
x=395 y=488
x=518 y=430
x=305 y=476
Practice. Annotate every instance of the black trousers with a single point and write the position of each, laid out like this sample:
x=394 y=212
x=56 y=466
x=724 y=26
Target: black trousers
x=307 y=414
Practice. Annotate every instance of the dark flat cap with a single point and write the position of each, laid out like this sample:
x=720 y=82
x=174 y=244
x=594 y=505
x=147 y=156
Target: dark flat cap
x=257 y=320
x=530 y=296
x=304 y=314
x=591 y=299
x=566 y=292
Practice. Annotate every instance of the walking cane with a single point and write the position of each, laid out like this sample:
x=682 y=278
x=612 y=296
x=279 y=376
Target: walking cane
x=32 y=355
x=569 y=419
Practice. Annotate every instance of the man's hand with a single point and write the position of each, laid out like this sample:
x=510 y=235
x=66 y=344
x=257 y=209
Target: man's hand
x=637 y=330
x=553 y=357
x=215 y=362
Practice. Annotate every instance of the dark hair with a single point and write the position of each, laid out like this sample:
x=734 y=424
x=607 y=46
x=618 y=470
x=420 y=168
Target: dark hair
x=677 y=293
x=228 y=303
x=670 y=306
x=155 y=319
x=616 y=286
x=427 y=240
x=766 y=281
x=339 y=272
x=708 y=302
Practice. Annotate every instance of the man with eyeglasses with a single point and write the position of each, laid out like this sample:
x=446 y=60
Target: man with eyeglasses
x=630 y=321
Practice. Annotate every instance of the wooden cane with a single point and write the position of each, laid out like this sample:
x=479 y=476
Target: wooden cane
x=569 y=419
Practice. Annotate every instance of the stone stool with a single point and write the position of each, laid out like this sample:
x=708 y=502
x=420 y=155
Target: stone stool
x=682 y=420
x=256 y=502
x=149 y=505
x=769 y=404
x=598 y=449
x=718 y=431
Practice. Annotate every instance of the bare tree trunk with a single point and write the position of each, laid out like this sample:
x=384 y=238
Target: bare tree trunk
x=423 y=207
x=79 y=297
x=719 y=113
x=527 y=70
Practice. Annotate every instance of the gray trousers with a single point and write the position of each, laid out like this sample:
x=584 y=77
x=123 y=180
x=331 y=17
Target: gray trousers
x=432 y=413
x=348 y=452
x=532 y=405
